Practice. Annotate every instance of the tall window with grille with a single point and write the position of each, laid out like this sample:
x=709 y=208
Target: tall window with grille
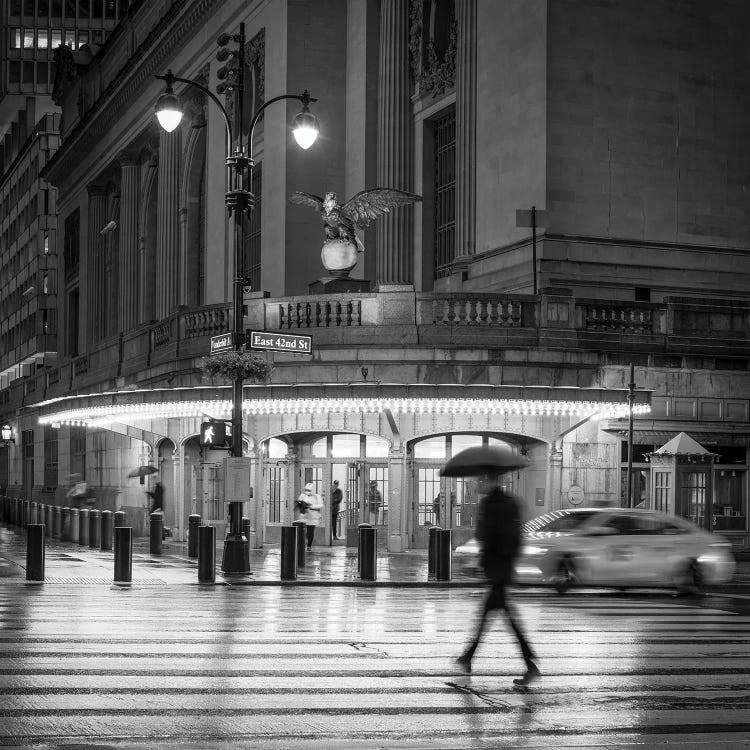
x=445 y=192
x=50 y=456
x=78 y=451
x=252 y=260
x=71 y=244
x=27 y=451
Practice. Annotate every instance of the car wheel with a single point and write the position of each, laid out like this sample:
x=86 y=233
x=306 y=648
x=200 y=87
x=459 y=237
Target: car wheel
x=690 y=581
x=564 y=576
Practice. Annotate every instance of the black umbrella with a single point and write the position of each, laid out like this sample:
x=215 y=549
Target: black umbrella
x=143 y=471
x=484 y=459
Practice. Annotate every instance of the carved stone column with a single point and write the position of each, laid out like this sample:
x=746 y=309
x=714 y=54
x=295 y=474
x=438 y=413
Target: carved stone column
x=130 y=182
x=167 y=228
x=466 y=87
x=95 y=302
x=395 y=231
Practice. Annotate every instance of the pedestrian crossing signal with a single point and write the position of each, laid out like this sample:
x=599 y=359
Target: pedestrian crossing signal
x=213 y=435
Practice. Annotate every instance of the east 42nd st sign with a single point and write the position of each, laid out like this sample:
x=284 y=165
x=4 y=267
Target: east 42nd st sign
x=280 y=342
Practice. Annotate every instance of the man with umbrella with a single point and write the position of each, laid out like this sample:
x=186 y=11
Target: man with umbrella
x=499 y=534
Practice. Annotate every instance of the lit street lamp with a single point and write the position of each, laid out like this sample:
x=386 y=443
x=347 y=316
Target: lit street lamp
x=239 y=200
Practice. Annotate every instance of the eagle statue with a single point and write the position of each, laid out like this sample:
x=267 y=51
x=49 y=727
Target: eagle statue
x=340 y=221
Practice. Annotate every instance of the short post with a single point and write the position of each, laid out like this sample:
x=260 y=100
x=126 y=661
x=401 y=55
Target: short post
x=432 y=550
x=74 y=525
x=32 y=511
x=14 y=511
x=48 y=515
x=443 y=567
x=119 y=518
x=246 y=533
x=25 y=513
x=123 y=554
x=289 y=553
x=206 y=554
x=155 y=533
x=56 y=522
x=368 y=569
x=359 y=544
x=94 y=529
x=83 y=526
x=106 y=530
x=301 y=527
x=65 y=524
x=194 y=521
x=35 y=552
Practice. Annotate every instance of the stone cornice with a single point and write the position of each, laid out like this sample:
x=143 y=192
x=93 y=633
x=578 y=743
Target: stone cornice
x=146 y=61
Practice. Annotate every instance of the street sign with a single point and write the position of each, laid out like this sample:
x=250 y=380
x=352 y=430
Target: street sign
x=223 y=342
x=525 y=219
x=213 y=435
x=280 y=342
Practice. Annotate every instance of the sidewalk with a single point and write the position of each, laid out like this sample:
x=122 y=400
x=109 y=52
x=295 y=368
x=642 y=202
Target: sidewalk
x=66 y=562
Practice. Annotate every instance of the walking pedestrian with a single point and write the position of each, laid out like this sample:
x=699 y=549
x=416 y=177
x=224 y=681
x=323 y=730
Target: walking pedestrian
x=499 y=533
x=310 y=506
x=374 y=501
x=157 y=496
x=336 y=498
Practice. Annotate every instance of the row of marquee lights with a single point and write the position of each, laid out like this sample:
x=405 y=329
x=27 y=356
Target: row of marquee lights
x=100 y=416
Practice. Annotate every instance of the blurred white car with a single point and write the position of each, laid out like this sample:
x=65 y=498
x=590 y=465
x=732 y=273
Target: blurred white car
x=616 y=547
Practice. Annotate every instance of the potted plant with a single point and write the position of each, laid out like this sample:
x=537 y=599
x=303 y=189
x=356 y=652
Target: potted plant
x=234 y=365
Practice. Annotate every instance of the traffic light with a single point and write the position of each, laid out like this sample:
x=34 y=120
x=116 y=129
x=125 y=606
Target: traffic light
x=227 y=74
x=213 y=435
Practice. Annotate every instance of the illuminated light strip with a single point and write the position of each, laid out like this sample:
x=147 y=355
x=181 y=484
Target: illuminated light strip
x=100 y=416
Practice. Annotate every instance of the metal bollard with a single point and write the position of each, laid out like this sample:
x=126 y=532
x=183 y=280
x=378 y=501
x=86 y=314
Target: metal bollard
x=246 y=534
x=123 y=554
x=35 y=552
x=56 y=522
x=156 y=528
x=432 y=548
x=194 y=521
x=65 y=524
x=32 y=512
x=47 y=520
x=206 y=554
x=14 y=511
x=83 y=526
x=289 y=553
x=106 y=530
x=368 y=569
x=24 y=513
x=94 y=529
x=74 y=525
x=359 y=544
x=119 y=518
x=443 y=562
x=301 y=526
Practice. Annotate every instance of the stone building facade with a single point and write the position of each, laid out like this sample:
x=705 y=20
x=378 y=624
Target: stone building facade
x=620 y=125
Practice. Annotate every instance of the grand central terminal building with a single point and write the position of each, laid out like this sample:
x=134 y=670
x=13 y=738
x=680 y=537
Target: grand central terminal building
x=575 y=226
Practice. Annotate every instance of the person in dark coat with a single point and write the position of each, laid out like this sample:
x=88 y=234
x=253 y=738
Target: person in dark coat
x=499 y=534
x=157 y=495
x=336 y=497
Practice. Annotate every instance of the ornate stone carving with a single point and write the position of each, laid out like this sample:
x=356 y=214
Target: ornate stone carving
x=433 y=63
x=255 y=64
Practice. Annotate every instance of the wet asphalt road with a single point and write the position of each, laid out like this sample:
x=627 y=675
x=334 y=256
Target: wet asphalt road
x=188 y=666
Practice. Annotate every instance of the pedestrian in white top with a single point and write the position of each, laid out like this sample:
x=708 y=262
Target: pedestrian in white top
x=310 y=506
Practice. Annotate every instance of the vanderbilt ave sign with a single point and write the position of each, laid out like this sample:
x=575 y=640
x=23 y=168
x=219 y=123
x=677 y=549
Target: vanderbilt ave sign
x=280 y=342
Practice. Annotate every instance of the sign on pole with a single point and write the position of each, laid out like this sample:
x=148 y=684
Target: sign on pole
x=237 y=479
x=280 y=342
x=223 y=342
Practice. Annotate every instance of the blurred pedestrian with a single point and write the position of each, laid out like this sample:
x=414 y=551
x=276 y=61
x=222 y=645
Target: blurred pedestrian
x=498 y=531
x=436 y=508
x=157 y=496
x=79 y=495
x=374 y=502
x=310 y=506
x=336 y=498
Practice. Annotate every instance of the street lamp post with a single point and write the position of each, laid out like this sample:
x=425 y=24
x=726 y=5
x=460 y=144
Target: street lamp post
x=239 y=200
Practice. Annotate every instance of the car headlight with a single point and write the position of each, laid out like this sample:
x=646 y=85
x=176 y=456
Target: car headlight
x=532 y=549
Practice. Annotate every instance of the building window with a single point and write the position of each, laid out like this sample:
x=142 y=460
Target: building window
x=78 y=451
x=445 y=193
x=71 y=244
x=692 y=501
x=28 y=72
x=28 y=8
x=72 y=327
x=42 y=39
x=43 y=6
x=15 y=38
x=84 y=9
x=28 y=38
x=50 y=456
x=55 y=38
x=14 y=76
x=27 y=451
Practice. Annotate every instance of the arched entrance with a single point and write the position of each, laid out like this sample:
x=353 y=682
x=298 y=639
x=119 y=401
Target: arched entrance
x=358 y=462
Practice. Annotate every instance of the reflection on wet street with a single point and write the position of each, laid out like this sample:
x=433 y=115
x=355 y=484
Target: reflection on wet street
x=358 y=667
